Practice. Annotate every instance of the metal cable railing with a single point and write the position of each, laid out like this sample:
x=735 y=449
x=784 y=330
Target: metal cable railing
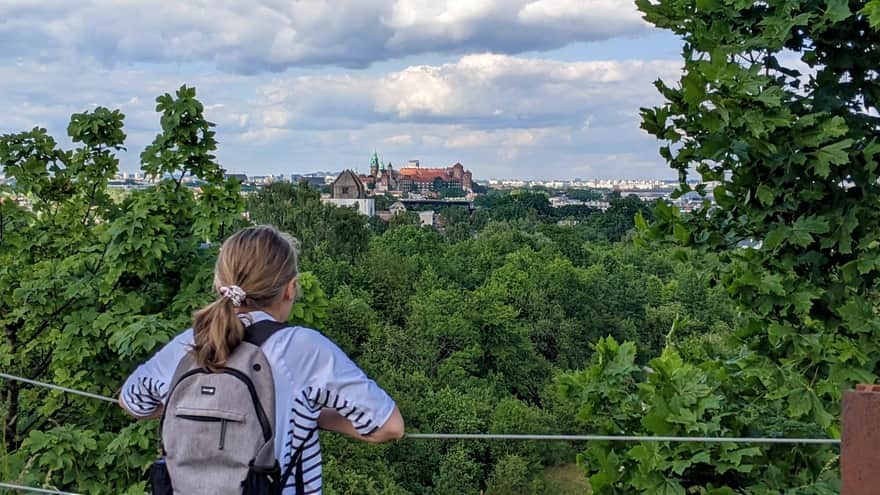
x=477 y=436
x=56 y=387
x=33 y=489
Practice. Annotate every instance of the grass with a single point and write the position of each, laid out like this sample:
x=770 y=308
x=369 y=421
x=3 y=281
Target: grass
x=565 y=480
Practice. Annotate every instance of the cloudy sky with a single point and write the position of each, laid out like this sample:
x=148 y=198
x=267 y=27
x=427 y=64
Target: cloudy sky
x=530 y=89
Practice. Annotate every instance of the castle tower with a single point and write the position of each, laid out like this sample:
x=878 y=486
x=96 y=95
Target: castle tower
x=457 y=171
x=375 y=164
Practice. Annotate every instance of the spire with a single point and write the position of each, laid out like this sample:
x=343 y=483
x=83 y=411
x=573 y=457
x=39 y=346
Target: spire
x=375 y=164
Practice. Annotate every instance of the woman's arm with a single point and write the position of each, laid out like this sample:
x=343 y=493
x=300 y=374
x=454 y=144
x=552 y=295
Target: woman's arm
x=359 y=407
x=156 y=415
x=393 y=429
x=143 y=393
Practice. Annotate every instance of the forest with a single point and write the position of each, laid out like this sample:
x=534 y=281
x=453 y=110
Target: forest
x=745 y=318
x=470 y=328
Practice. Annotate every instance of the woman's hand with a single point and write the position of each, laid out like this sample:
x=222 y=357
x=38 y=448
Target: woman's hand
x=393 y=429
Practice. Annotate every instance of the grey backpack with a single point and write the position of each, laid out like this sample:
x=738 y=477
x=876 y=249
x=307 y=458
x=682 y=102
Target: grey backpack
x=217 y=428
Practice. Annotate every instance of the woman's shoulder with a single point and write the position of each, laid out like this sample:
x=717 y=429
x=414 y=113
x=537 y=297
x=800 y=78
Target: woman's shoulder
x=178 y=345
x=301 y=337
x=185 y=337
x=297 y=352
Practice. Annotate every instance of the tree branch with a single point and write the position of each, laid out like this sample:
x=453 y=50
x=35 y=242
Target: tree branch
x=90 y=205
x=180 y=180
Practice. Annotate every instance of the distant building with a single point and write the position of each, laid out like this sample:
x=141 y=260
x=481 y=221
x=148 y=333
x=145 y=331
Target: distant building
x=348 y=191
x=417 y=179
x=313 y=181
x=397 y=208
x=365 y=206
x=561 y=201
x=348 y=186
x=243 y=178
x=427 y=218
x=413 y=178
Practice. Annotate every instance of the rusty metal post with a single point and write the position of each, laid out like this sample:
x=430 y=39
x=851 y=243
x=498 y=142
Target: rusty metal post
x=860 y=441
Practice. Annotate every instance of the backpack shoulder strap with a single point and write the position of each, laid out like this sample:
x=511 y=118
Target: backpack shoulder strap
x=259 y=332
x=296 y=463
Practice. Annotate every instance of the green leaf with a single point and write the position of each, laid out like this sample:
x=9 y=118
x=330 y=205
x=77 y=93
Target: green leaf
x=803 y=301
x=641 y=224
x=668 y=487
x=838 y=10
x=681 y=233
x=708 y=5
x=872 y=12
x=812 y=224
x=776 y=236
x=722 y=198
x=833 y=154
x=771 y=283
x=778 y=333
x=766 y=194
x=801 y=238
x=820 y=415
x=798 y=404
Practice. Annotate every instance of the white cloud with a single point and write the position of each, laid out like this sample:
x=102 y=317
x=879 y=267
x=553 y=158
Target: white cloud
x=480 y=91
x=492 y=112
x=399 y=139
x=505 y=138
x=263 y=135
x=271 y=35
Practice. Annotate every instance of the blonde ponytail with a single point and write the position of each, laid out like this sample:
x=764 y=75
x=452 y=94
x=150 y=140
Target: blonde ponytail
x=260 y=261
x=217 y=332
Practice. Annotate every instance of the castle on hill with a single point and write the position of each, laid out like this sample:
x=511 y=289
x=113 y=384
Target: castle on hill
x=414 y=179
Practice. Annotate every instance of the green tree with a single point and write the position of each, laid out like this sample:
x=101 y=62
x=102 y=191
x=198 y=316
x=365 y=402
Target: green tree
x=407 y=218
x=620 y=216
x=795 y=167
x=518 y=205
x=792 y=157
x=584 y=194
x=510 y=477
x=91 y=285
x=322 y=229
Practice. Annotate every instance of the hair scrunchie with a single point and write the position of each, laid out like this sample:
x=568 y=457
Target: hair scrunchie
x=234 y=293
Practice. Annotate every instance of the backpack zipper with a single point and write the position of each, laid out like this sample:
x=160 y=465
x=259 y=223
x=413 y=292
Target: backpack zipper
x=210 y=419
x=258 y=406
x=222 y=432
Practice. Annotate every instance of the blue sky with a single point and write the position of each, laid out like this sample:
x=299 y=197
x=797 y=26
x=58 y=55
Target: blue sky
x=531 y=89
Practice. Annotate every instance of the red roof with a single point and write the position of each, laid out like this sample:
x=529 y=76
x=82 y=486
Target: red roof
x=421 y=171
x=428 y=175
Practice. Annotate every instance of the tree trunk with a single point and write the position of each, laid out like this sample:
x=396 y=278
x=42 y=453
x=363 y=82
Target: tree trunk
x=10 y=426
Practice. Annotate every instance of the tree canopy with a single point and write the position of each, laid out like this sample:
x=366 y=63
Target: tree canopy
x=466 y=326
x=776 y=110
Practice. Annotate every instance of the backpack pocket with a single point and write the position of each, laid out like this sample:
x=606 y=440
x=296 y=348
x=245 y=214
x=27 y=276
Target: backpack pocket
x=160 y=480
x=211 y=416
x=262 y=481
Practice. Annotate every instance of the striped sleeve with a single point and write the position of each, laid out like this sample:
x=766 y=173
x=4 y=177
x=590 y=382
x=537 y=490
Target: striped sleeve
x=145 y=390
x=337 y=382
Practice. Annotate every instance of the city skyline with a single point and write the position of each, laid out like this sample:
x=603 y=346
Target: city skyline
x=524 y=89
x=362 y=169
